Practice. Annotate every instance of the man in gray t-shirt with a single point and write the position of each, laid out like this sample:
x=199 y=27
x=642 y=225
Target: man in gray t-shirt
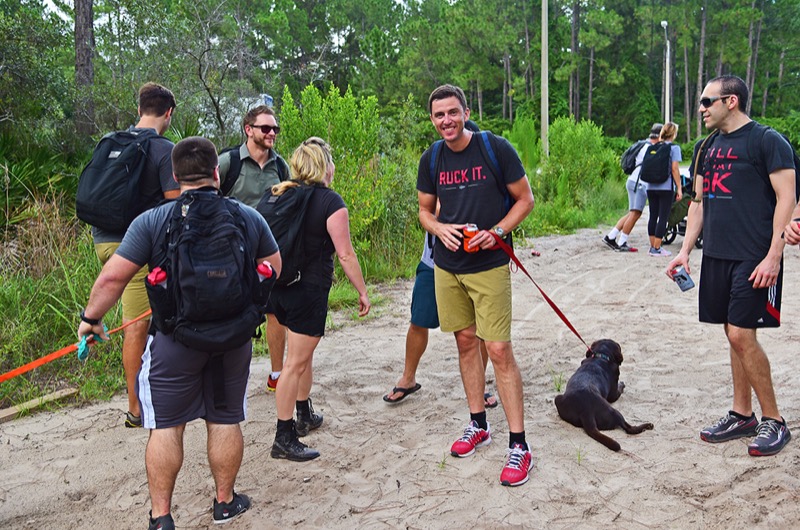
x=179 y=384
x=156 y=105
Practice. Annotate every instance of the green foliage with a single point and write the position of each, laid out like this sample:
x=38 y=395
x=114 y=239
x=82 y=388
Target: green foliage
x=524 y=136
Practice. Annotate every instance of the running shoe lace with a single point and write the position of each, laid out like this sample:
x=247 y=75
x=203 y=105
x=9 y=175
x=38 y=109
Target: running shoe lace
x=469 y=433
x=721 y=421
x=515 y=457
x=767 y=428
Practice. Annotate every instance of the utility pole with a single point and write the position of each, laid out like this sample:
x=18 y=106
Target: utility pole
x=545 y=102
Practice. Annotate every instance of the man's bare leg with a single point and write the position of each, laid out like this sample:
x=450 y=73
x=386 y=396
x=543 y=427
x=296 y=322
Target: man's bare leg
x=135 y=339
x=163 y=459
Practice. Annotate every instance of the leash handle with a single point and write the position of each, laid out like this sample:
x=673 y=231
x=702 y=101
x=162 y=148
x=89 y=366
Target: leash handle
x=508 y=250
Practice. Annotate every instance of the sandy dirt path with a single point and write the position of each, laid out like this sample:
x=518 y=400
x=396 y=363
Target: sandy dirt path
x=388 y=466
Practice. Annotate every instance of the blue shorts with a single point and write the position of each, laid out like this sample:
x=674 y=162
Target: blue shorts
x=423 y=299
x=727 y=296
x=177 y=384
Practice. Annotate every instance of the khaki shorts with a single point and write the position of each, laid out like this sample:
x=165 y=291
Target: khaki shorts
x=134 y=297
x=481 y=298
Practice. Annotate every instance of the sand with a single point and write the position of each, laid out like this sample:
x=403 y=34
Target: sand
x=388 y=466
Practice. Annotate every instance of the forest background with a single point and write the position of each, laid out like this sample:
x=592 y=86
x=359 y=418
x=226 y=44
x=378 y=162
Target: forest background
x=357 y=73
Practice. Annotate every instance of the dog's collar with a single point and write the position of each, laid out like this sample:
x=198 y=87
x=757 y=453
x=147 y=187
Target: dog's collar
x=602 y=356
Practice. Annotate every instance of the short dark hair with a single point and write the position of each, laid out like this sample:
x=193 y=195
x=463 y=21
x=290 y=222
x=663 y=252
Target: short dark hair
x=255 y=112
x=155 y=100
x=444 y=92
x=194 y=158
x=733 y=85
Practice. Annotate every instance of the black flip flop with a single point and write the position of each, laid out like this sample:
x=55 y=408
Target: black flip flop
x=403 y=393
x=486 y=404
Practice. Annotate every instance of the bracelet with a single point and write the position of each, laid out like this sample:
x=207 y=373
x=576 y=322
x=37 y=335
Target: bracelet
x=90 y=321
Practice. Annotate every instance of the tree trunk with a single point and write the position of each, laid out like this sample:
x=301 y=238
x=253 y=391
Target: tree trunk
x=480 y=99
x=84 y=67
x=574 y=84
x=755 y=66
x=780 y=80
x=591 y=82
x=505 y=85
x=687 y=111
x=510 y=89
x=764 y=95
x=701 y=56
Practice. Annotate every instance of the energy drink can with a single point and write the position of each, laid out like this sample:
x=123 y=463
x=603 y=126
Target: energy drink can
x=682 y=278
x=470 y=231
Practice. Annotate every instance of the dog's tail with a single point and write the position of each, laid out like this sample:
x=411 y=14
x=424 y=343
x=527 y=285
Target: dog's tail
x=590 y=426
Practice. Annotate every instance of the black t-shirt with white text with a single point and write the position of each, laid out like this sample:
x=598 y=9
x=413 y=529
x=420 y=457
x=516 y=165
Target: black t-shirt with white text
x=468 y=193
x=738 y=202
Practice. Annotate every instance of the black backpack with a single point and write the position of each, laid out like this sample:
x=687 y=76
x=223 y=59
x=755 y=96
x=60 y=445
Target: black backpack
x=656 y=166
x=212 y=299
x=235 y=168
x=628 y=159
x=285 y=214
x=109 y=189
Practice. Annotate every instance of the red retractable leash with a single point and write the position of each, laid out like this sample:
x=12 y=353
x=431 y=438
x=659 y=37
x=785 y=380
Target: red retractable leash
x=508 y=250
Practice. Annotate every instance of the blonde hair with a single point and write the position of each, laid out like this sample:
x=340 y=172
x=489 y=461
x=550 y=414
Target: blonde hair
x=309 y=164
x=669 y=131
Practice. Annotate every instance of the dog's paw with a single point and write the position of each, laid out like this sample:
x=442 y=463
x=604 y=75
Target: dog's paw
x=620 y=387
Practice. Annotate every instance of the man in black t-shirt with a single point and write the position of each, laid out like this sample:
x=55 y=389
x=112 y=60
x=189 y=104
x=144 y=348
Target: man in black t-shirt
x=747 y=187
x=473 y=283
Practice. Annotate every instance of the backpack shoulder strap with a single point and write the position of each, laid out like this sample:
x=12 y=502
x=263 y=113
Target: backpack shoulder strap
x=696 y=165
x=435 y=148
x=234 y=169
x=489 y=154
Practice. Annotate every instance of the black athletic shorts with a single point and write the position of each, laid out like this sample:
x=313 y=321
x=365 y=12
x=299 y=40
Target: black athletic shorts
x=727 y=295
x=303 y=308
x=177 y=384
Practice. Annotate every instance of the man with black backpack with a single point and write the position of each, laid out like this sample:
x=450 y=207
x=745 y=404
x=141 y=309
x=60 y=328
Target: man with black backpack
x=748 y=194
x=130 y=172
x=247 y=171
x=212 y=263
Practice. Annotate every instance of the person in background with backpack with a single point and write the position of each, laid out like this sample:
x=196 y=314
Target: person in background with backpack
x=473 y=281
x=178 y=383
x=156 y=106
x=660 y=195
x=637 y=197
x=302 y=306
x=247 y=171
x=748 y=194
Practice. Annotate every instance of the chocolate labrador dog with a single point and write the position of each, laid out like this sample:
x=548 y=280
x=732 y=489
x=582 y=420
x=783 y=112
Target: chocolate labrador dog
x=594 y=385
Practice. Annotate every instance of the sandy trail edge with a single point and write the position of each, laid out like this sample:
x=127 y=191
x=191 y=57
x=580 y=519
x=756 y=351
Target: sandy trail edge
x=387 y=466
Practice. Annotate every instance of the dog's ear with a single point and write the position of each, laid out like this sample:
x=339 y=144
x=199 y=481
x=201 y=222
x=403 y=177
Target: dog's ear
x=608 y=347
x=589 y=353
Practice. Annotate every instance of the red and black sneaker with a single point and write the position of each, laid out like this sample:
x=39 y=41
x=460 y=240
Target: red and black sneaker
x=473 y=437
x=517 y=468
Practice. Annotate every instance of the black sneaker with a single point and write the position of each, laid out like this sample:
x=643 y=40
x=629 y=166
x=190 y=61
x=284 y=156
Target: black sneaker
x=610 y=243
x=164 y=522
x=288 y=446
x=773 y=435
x=306 y=423
x=228 y=511
x=132 y=422
x=730 y=427
x=625 y=248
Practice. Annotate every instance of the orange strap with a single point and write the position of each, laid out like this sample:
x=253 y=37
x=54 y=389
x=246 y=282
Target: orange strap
x=62 y=352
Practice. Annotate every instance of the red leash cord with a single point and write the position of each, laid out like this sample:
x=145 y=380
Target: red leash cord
x=508 y=250
x=62 y=352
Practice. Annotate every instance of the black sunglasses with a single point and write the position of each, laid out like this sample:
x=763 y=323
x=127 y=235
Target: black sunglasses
x=707 y=102
x=266 y=129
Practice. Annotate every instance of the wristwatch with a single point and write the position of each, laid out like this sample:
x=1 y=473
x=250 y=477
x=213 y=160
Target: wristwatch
x=499 y=231
x=90 y=321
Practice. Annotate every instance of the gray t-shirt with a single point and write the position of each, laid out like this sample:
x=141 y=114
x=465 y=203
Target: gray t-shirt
x=156 y=180
x=144 y=241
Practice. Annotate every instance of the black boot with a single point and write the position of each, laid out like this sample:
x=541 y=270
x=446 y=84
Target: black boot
x=307 y=419
x=288 y=446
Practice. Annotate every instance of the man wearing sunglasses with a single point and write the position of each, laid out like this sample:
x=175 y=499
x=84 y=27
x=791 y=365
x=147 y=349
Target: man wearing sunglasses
x=259 y=166
x=745 y=193
x=246 y=173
